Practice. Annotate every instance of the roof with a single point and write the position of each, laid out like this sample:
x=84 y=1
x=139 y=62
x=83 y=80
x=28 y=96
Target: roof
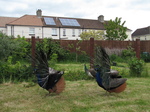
x=5 y=20
x=28 y=20
x=84 y=23
x=141 y=31
x=33 y=20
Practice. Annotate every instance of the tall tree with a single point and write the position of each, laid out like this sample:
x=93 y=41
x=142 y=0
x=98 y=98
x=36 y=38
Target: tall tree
x=115 y=30
x=97 y=35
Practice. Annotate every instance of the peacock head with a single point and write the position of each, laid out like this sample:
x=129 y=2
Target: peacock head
x=97 y=68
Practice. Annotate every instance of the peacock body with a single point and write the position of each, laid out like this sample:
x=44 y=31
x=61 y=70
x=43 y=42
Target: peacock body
x=47 y=77
x=107 y=78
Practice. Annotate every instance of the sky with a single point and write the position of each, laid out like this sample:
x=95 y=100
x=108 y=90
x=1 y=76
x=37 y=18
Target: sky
x=136 y=13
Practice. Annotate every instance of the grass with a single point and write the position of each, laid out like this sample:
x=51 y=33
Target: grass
x=78 y=96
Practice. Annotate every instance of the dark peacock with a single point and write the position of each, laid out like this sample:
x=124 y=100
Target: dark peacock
x=48 y=78
x=108 y=79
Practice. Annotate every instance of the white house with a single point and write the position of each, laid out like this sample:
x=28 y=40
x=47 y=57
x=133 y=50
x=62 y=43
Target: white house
x=55 y=27
x=141 y=33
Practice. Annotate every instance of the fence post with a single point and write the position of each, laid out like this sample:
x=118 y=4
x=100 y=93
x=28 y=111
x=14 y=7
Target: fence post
x=91 y=52
x=33 y=50
x=138 y=48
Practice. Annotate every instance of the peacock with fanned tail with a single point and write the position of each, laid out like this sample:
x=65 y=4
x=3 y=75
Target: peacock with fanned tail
x=48 y=78
x=108 y=79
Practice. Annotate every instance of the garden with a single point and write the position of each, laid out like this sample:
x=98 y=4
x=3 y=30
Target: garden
x=19 y=91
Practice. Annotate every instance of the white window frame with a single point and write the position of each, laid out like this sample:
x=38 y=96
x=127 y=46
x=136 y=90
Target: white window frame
x=54 y=31
x=64 y=32
x=31 y=31
x=79 y=32
x=73 y=32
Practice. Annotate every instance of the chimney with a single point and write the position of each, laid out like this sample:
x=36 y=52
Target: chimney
x=39 y=13
x=101 y=18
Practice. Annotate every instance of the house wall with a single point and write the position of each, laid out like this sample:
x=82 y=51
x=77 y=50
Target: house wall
x=23 y=31
x=47 y=32
x=128 y=32
x=3 y=29
x=42 y=32
x=142 y=37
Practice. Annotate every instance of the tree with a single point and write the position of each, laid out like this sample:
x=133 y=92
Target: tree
x=115 y=30
x=97 y=35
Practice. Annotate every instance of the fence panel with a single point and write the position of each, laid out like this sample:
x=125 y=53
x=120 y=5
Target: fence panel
x=73 y=45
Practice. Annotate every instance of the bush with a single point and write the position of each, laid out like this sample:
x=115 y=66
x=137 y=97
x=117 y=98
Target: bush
x=136 y=67
x=114 y=57
x=23 y=50
x=51 y=47
x=128 y=53
x=145 y=56
x=14 y=72
x=17 y=48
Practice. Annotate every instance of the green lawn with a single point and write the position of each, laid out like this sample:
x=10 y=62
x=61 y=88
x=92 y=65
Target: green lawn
x=78 y=96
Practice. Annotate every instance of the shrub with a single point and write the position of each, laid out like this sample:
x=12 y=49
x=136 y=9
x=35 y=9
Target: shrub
x=114 y=57
x=51 y=47
x=145 y=56
x=23 y=49
x=53 y=60
x=136 y=67
x=14 y=72
x=128 y=53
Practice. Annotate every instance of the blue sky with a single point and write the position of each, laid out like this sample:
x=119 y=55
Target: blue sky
x=136 y=13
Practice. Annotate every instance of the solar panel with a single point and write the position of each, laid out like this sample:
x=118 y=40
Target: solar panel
x=49 y=21
x=69 y=22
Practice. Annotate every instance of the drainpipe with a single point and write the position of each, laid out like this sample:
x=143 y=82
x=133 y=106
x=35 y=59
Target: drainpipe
x=42 y=33
x=59 y=34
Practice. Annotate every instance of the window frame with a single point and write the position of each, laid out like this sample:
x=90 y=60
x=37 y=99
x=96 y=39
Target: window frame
x=64 y=32
x=31 y=31
x=73 y=32
x=54 y=31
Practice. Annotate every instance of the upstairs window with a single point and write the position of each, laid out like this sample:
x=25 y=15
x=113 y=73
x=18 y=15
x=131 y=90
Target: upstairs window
x=54 y=32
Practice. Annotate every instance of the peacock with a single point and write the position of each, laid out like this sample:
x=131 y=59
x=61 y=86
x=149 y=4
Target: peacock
x=108 y=79
x=47 y=77
x=90 y=72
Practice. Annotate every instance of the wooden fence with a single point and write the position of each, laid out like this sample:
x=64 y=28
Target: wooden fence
x=89 y=45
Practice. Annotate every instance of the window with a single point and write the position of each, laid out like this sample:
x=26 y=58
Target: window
x=54 y=32
x=73 y=32
x=31 y=31
x=79 y=32
x=64 y=32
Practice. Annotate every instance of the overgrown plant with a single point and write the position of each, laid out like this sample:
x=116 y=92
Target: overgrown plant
x=14 y=72
x=17 y=48
x=136 y=67
x=78 y=51
x=51 y=47
x=53 y=60
x=128 y=53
